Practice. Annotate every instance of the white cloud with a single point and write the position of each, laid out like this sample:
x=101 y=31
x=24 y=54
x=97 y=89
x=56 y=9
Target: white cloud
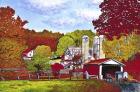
x=64 y=21
x=47 y=3
x=88 y=14
x=97 y=1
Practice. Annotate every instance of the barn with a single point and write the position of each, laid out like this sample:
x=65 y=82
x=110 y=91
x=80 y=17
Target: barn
x=102 y=67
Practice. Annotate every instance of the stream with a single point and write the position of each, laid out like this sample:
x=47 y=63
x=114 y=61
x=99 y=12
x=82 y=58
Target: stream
x=130 y=87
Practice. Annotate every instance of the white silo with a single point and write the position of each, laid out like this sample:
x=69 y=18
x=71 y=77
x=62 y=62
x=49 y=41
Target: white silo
x=85 y=47
x=97 y=47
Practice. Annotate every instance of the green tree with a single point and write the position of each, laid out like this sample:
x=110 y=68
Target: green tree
x=64 y=43
x=77 y=36
x=123 y=48
x=40 y=59
x=43 y=51
x=73 y=39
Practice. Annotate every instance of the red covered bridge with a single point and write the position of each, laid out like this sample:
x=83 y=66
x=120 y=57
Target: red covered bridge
x=101 y=67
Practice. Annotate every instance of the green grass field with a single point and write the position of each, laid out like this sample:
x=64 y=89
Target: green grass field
x=52 y=86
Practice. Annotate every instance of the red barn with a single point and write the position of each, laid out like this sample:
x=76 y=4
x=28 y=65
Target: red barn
x=101 y=67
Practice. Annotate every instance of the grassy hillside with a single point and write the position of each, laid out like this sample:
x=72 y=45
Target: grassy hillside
x=57 y=86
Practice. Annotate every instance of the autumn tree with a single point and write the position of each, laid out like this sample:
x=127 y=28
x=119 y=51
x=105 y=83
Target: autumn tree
x=42 y=38
x=133 y=66
x=77 y=61
x=13 y=34
x=11 y=26
x=40 y=59
x=10 y=53
x=12 y=41
x=119 y=17
x=47 y=33
x=121 y=49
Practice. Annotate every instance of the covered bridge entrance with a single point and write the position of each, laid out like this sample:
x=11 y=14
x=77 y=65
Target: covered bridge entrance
x=102 y=67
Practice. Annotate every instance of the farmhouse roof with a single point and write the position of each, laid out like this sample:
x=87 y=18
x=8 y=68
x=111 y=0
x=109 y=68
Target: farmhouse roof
x=26 y=51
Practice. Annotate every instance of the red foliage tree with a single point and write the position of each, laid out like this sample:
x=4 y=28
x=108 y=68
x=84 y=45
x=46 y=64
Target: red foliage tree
x=12 y=34
x=12 y=42
x=13 y=37
x=9 y=25
x=42 y=38
x=133 y=66
x=56 y=68
x=118 y=17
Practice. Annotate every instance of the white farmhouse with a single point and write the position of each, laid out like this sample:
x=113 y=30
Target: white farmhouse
x=28 y=54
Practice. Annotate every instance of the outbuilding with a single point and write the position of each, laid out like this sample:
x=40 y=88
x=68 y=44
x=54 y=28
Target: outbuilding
x=102 y=67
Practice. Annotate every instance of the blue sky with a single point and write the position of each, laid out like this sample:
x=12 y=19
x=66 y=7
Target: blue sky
x=56 y=15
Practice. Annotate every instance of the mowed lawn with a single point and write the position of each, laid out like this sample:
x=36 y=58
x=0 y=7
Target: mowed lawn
x=57 y=86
